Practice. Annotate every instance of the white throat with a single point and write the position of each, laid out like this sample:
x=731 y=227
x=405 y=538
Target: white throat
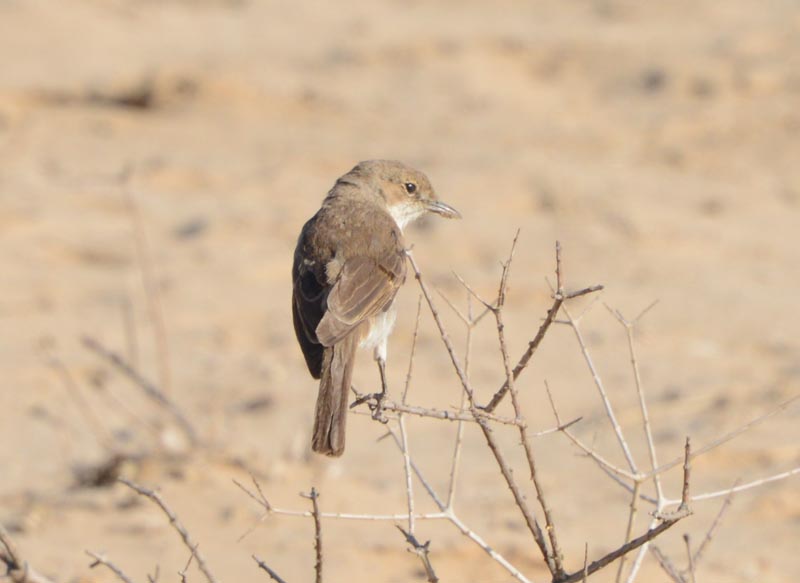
x=405 y=213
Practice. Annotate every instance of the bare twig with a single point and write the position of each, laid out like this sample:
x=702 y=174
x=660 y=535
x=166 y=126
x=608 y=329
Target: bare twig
x=629 y=529
x=176 y=524
x=559 y=269
x=470 y=322
x=618 y=474
x=453 y=415
x=101 y=560
x=530 y=520
x=425 y=484
x=491 y=441
x=585 y=563
x=442 y=332
x=261 y=498
x=698 y=555
x=519 y=499
x=601 y=389
x=558 y=299
x=629 y=331
x=182 y=572
x=659 y=514
x=489 y=306
x=667 y=565
x=553 y=556
x=272 y=574
x=413 y=351
x=407 y=471
x=269 y=509
x=444 y=513
x=623 y=550
x=741 y=488
x=422 y=551
x=602 y=462
x=639 y=559
x=17 y=568
x=314 y=496
x=728 y=436
x=402 y=425
x=559 y=296
x=687 y=466
x=149 y=389
x=690 y=558
x=667 y=521
x=497 y=557
x=659 y=500
x=449 y=514
x=582 y=292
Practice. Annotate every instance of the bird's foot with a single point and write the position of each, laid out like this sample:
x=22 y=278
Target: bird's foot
x=375 y=403
x=377 y=408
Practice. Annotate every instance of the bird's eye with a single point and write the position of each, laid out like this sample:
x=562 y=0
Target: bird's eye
x=411 y=188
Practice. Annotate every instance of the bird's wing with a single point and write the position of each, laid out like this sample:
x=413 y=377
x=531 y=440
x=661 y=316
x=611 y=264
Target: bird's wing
x=308 y=306
x=365 y=287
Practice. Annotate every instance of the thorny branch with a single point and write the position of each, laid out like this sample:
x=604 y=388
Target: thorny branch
x=454 y=415
x=631 y=479
x=629 y=330
x=553 y=556
x=519 y=499
x=261 y=500
x=314 y=496
x=666 y=523
x=687 y=575
x=558 y=299
x=272 y=574
x=315 y=513
x=421 y=550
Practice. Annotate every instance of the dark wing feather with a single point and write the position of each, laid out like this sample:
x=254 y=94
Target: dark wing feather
x=308 y=306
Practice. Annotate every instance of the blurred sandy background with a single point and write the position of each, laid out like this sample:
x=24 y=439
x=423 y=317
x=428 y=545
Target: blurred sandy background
x=658 y=141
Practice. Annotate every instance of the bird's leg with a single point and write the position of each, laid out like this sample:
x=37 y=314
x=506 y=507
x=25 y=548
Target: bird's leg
x=377 y=406
x=375 y=400
x=380 y=358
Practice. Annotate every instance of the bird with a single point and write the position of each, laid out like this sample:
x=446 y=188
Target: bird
x=348 y=265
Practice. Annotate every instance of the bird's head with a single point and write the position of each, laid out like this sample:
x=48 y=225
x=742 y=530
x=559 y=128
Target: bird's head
x=407 y=192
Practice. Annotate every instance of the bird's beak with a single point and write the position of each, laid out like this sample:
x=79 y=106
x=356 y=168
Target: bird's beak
x=440 y=208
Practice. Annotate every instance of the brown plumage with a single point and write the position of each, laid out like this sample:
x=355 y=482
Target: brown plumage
x=348 y=265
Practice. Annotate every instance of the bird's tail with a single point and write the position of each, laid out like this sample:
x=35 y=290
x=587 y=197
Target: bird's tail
x=330 y=416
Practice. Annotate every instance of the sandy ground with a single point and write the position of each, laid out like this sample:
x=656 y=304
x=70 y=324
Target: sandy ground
x=657 y=141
